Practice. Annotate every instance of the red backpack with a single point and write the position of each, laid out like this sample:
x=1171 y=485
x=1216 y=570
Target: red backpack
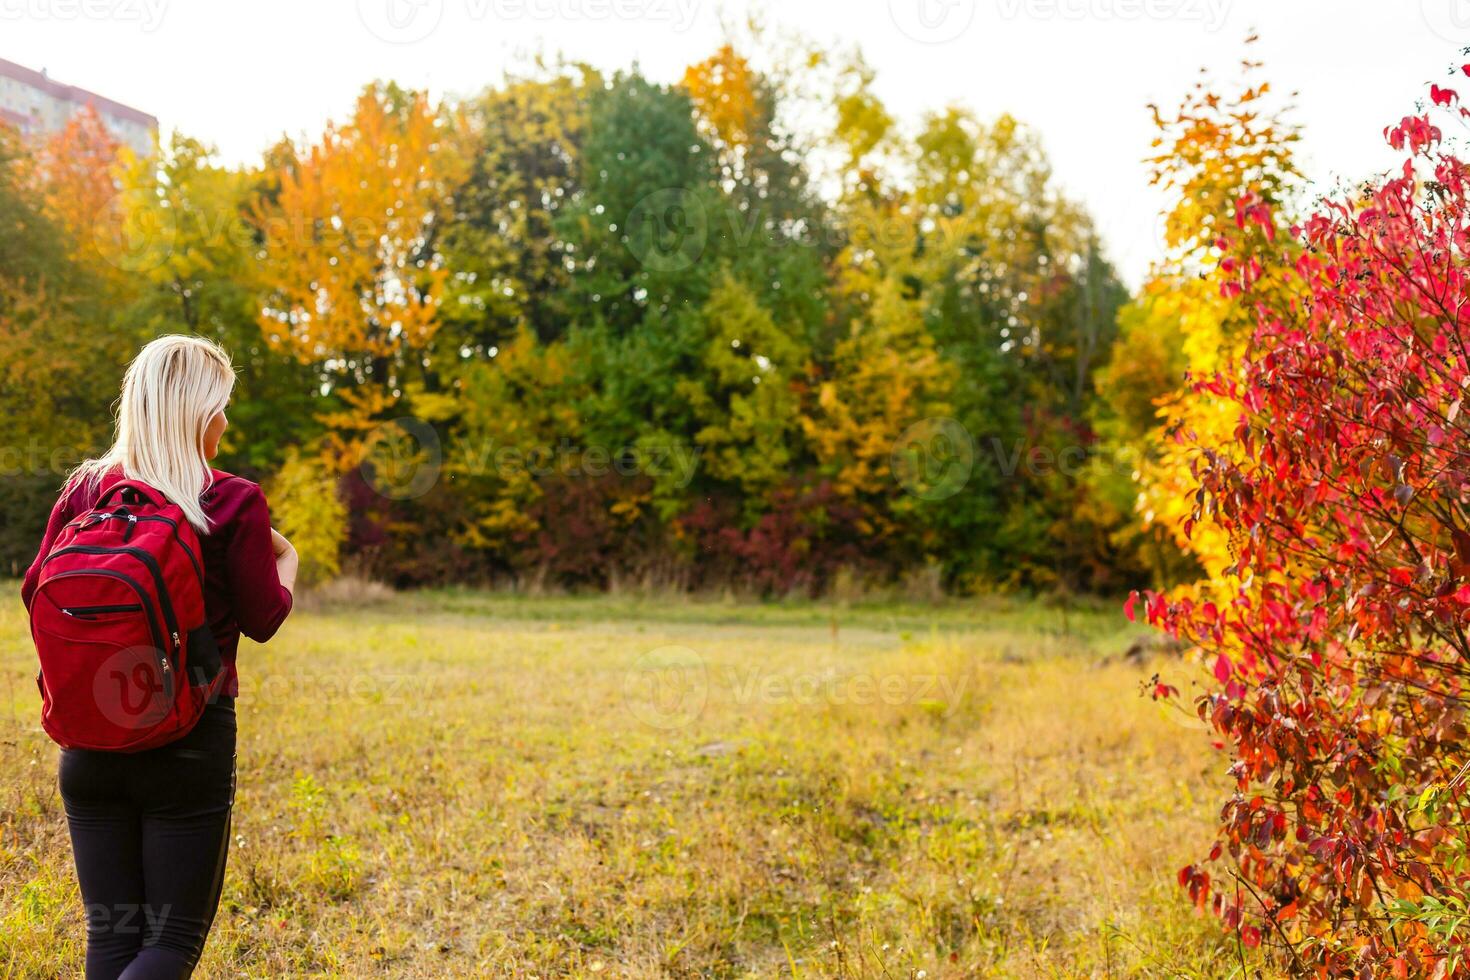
x=128 y=661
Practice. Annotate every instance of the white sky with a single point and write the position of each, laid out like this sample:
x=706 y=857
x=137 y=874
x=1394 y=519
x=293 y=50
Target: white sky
x=239 y=74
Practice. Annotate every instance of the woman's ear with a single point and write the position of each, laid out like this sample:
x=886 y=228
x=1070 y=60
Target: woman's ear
x=214 y=429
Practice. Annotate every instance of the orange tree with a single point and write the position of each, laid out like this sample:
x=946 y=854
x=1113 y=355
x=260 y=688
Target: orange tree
x=1339 y=636
x=353 y=280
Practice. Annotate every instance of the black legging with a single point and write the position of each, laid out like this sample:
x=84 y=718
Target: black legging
x=150 y=832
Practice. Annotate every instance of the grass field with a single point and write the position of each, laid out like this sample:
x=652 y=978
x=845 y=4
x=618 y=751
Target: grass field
x=454 y=784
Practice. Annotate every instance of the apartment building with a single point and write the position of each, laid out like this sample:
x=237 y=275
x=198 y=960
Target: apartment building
x=36 y=104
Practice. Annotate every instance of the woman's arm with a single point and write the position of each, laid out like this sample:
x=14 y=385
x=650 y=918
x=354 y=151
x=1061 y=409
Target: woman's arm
x=287 y=561
x=261 y=599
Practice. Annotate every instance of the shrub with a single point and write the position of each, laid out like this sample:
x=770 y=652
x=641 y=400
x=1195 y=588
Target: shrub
x=1340 y=634
x=411 y=542
x=586 y=529
x=803 y=540
x=309 y=511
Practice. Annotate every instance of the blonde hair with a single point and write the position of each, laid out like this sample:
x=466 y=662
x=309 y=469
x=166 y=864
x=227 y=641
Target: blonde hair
x=172 y=389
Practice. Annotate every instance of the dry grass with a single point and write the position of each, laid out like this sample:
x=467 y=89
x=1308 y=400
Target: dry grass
x=343 y=592
x=465 y=785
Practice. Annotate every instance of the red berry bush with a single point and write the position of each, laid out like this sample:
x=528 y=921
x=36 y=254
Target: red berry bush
x=1340 y=637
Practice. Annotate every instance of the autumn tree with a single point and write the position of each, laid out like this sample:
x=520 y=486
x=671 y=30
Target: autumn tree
x=1145 y=370
x=1010 y=285
x=780 y=228
x=353 y=279
x=745 y=400
x=56 y=342
x=1212 y=152
x=57 y=291
x=202 y=278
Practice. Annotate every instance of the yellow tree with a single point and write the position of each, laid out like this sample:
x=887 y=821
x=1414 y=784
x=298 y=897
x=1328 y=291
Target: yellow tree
x=1216 y=155
x=863 y=130
x=725 y=92
x=1144 y=370
x=514 y=411
x=886 y=377
x=353 y=279
x=309 y=510
x=744 y=398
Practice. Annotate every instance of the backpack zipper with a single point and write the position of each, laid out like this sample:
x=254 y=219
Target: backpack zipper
x=164 y=667
x=83 y=522
x=82 y=612
x=198 y=569
x=163 y=600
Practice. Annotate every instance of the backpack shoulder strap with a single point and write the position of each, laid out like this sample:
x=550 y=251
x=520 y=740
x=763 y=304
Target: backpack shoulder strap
x=137 y=489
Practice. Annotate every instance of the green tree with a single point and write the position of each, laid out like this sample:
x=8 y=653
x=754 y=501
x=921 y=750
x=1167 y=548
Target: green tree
x=503 y=244
x=646 y=226
x=744 y=399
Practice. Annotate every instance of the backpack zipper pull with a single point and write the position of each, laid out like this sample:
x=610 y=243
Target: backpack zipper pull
x=132 y=525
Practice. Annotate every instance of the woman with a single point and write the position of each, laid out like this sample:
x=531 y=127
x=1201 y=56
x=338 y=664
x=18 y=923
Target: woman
x=150 y=830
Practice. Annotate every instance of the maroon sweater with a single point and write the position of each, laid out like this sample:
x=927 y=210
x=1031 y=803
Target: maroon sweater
x=242 y=591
